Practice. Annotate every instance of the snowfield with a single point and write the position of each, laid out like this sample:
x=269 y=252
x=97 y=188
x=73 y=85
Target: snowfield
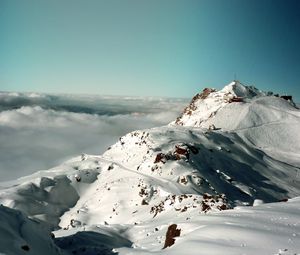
x=223 y=178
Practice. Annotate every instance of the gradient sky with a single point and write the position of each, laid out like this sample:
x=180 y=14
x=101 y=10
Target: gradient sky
x=148 y=48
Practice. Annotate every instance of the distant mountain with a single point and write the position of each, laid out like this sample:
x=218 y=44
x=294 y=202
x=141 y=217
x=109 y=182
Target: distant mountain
x=197 y=185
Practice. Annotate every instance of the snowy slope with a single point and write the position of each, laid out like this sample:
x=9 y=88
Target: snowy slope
x=204 y=180
x=265 y=229
x=19 y=235
x=267 y=121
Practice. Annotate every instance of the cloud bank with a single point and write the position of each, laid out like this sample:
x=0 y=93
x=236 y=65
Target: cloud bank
x=39 y=131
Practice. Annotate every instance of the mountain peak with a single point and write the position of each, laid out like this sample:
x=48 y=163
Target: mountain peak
x=225 y=107
x=240 y=90
x=206 y=104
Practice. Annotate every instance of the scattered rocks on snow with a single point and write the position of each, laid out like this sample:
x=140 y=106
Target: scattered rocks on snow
x=186 y=202
x=180 y=151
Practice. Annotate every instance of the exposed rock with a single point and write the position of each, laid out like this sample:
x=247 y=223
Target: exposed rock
x=110 y=167
x=235 y=99
x=25 y=247
x=287 y=97
x=183 y=180
x=144 y=202
x=192 y=106
x=77 y=177
x=212 y=127
x=160 y=157
x=172 y=232
x=181 y=151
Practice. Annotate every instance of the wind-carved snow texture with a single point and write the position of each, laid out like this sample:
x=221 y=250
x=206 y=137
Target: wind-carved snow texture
x=213 y=176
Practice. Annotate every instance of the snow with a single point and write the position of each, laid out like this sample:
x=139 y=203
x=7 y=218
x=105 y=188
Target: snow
x=270 y=123
x=224 y=189
x=266 y=229
x=20 y=235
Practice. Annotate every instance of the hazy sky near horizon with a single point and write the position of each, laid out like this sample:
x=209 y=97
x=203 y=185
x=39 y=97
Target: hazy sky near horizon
x=148 y=48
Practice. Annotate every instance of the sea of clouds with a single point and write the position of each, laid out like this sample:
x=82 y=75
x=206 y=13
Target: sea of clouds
x=40 y=131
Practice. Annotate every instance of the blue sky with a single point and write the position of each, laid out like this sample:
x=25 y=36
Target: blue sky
x=148 y=48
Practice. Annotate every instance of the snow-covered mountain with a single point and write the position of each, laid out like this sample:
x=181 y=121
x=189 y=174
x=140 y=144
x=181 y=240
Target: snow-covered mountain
x=267 y=121
x=221 y=179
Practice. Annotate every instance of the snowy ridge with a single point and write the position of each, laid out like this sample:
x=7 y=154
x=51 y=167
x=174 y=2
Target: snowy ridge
x=265 y=120
x=205 y=106
x=206 y=181
x=237 y=89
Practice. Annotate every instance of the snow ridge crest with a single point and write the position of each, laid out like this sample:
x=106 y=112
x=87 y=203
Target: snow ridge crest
x=238 y=89
x=206 y=105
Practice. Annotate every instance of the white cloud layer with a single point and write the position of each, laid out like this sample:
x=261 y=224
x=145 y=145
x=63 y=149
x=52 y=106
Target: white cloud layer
x=39 y=131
